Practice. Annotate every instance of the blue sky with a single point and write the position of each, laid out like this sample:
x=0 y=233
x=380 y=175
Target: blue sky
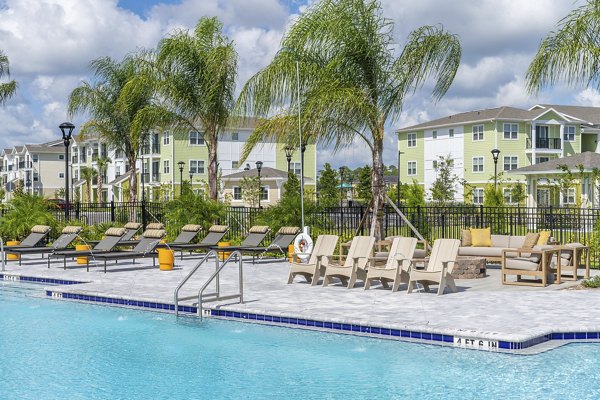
x=51 y=42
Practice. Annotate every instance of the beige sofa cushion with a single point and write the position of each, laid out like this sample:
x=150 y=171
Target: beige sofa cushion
x=501 y=241
x=516 y=242
x=531 y=240
x=522 y=263
x=420 y=253
x=480 y=251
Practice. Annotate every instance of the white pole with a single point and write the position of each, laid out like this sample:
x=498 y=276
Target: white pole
x=301 y=145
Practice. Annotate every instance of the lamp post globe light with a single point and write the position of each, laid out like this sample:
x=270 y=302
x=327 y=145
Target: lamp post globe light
x=181 y=164
x=67 y=133
x=289 y=152
x=495 y=153
x=259 y=165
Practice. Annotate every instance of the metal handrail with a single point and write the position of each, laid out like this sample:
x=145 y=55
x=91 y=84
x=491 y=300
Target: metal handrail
x=238 y=255
x=192 y=272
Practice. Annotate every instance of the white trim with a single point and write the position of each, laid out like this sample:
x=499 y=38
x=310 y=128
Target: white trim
x=482 y=164
x=510 y=162
x=510 y=131
x=482 y=133
x=408 y=140
x=408 y=168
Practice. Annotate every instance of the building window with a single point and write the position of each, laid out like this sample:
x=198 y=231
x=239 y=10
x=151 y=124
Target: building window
x=411 y=168
x=196 y=166
x=569 y=133
x=434 y=164
x=478 y=196
x=510 y=163
x=511 y=131
x=507 y=193
x=434 y=134
x=295 y=167
x=237 y=193
x=61 y=175
x=411 y=139
x=36 y=177
x=235 y=165
x=196 y=138
x=166 y=167
x=451 y=133
x=166 y=137
x=235 y=136
x=61 y=157
x=541 y=159
x=478 y=164
x=569 y=196
x=34 y=157
x=264 y=193
x=477 y=132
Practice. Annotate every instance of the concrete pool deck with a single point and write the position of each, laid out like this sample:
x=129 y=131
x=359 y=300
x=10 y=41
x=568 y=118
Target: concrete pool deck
x=482 y=309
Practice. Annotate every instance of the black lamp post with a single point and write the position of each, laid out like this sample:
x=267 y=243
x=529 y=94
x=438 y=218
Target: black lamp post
x=181 y=164
x=289 y=152
x=341 y=186
x=67 y=133
x=259 y=165
x=495 y=153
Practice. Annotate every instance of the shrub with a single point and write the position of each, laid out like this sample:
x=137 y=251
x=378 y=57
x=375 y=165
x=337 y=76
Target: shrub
x=192 y=208
x=592 y=282
x=23 y=212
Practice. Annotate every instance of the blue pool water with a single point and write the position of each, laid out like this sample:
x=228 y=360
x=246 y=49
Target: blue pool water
x=54 y=349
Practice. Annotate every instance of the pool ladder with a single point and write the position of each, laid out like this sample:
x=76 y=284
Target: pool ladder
x=216 y=296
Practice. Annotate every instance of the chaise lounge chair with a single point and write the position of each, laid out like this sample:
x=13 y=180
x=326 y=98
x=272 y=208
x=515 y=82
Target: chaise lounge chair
x=131 y=228
x=256 y=235
x=215 y=234
x=35 y=238
x=314 y=269
x=355 y=263
x=68 y=235
x=145 y=248
x=111 y=237
x=284 y=237
x=129 y=233
x=396 y=269
x=438 y=269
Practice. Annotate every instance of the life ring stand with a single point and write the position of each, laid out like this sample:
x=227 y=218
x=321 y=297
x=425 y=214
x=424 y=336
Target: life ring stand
x=303 y=246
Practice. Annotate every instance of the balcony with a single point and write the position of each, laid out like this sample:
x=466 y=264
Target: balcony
x=544 y=143
x=25 y=165
x=154 y=149
x=155 y=177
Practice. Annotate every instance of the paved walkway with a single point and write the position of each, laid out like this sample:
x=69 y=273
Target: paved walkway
x=482 y=308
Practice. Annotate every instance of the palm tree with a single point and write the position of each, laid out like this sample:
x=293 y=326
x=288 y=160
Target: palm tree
x=571 y=53
x=197 y=83
x=102 y=164
x=121 y=114
x=8 y=89
x=88 y=174
x=351 y=81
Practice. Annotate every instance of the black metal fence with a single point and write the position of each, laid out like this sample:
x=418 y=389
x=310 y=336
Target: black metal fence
x=567 y=224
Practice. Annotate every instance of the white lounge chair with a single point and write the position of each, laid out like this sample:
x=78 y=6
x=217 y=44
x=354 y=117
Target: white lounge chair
x=396 y=269
x=355 y=264
x=439 y=268
x=314 y=269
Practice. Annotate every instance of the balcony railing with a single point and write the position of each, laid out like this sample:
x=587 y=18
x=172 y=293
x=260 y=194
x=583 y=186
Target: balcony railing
x=544 y=143
x=25 y=164
x=154 y=149
x=156 y=177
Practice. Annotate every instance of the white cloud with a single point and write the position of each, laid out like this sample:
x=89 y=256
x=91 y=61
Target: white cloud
x=588 y=97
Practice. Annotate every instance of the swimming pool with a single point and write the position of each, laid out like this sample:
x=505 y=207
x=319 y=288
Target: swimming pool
x=51 y=349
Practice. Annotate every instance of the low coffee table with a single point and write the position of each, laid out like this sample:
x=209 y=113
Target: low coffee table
x=469 y=267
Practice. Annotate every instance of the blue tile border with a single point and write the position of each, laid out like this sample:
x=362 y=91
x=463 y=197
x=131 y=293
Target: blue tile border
x=374 y=331
x=38 y=280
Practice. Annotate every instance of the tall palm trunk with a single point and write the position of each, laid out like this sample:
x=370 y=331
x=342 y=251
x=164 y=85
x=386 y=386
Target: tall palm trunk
x=100 y=199
x=213 y=190
x=132 y=179
x=377 y=188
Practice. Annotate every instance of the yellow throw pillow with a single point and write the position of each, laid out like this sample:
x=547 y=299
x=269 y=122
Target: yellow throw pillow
x=531 y=240
x=465 y=238
x=544 y=237
x=481 y=237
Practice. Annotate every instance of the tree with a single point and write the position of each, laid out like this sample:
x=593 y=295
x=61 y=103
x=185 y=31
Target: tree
x=414 y=194
x=197 y=74
x=570 y=53
x=88 y=174
x=518 y=193
x=351 y=81
x=8 y=89
x=122 y=113
x=250 y=190
x=329 y=187
x=493 y=197
x=443 y=188
x=363 y=185
x=102 y=164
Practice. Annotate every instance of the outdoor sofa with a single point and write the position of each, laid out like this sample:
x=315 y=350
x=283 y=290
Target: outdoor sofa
x=481 y=243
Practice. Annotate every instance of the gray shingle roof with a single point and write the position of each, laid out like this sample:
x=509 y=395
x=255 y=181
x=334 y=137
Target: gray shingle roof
x=265 y=173
x=586 y=114
x=588 y=159
x=40 y=148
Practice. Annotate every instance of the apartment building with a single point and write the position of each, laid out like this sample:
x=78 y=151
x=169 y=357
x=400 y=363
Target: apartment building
x=37 y=168
x=524 y=137
x=158 y=167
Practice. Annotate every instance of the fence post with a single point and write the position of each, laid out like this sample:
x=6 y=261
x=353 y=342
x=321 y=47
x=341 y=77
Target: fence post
x=362 y=226
x=77 y=211
x=481 y=216
x=112 y=210
x=419 y=227
x=144 y=214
